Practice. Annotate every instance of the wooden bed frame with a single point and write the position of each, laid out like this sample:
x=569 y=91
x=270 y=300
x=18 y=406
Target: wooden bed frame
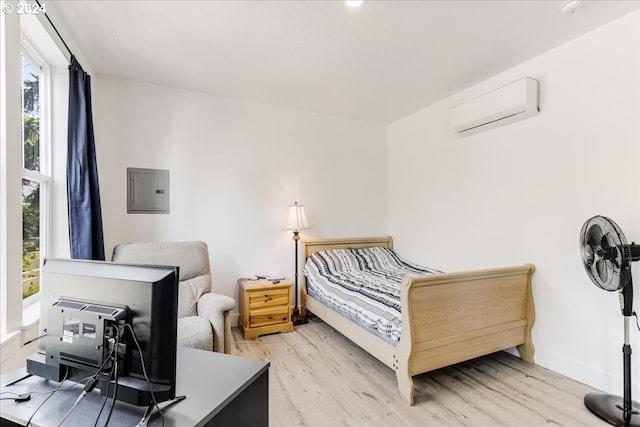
x=446 y=318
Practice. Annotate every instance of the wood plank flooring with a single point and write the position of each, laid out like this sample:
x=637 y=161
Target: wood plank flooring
x=319 y=378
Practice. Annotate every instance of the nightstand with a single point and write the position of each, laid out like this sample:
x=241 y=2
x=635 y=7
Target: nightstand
x=265 y=307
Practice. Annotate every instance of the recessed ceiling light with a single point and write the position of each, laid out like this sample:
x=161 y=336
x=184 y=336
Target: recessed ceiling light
x=354 y=3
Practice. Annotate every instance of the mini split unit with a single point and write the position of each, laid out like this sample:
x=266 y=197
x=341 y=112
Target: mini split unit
x=507 y=104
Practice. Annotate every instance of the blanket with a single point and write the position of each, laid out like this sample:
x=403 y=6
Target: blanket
x=362 y=284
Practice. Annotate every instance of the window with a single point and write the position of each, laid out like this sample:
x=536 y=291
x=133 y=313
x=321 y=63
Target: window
x=34 y=80
x=35 y=173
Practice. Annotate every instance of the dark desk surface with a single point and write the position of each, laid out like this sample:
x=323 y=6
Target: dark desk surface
x=210 y=380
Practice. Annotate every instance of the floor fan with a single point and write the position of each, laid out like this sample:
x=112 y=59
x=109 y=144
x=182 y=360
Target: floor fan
x=607 y=258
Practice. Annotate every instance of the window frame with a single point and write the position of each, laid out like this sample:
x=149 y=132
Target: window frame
x=44 y=176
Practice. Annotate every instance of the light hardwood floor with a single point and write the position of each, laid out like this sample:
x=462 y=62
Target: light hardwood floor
x=319 y=378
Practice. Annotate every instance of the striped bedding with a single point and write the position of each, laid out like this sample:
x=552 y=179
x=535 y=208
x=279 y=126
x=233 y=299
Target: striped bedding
x=362 y=284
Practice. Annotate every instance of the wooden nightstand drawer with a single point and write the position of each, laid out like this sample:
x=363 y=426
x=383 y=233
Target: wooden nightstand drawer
x=265 y=307
x=267 y=298
x=268 y=316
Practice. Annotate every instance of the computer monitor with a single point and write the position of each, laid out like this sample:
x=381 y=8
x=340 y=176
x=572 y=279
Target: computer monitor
x=93 y=312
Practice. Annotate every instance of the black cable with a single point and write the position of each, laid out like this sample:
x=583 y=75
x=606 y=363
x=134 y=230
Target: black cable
x=88 y=388
x=23 y=397
x=106 y=394
x=104 y=402
x=144 y=372
x=56 y=30
x=115 y=390
x=34 y=340
x=636 y=316
x=66 y=372
x=91 y=383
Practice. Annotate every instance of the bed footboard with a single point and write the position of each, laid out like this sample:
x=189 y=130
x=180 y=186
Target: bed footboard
x=452 y=317
x=446 y=318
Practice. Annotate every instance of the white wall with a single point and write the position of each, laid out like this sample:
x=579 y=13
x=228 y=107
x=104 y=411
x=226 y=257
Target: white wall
x=521 y=193
x=234 y=167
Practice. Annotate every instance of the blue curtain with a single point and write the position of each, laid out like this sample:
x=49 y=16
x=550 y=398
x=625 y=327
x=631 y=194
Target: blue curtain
x=83 y=192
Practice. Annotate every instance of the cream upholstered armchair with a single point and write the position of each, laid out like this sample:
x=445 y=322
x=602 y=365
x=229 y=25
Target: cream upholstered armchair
x=203 y=316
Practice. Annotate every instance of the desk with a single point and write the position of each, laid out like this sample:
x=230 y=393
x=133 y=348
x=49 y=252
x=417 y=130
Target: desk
x=222 y=389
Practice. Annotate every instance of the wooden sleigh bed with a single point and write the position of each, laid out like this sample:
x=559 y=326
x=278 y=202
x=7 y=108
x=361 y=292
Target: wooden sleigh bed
x=446 y=318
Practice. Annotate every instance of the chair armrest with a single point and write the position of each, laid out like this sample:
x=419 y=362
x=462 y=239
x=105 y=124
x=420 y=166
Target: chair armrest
x=215 y=308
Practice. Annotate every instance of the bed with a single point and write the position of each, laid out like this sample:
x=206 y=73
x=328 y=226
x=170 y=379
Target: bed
x=446 y=318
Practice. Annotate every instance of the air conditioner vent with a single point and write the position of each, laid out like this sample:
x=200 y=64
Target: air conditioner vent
x=507 y=104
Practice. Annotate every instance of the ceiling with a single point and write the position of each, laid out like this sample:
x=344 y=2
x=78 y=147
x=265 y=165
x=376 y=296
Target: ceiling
x=378 y=63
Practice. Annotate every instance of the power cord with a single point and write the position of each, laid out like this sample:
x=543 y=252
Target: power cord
x=106 y=398
x=114 y=371
x=634 y=314
x=88 y=388
x=115 y=389
x=66 y=373
x=146 y=377
x=91 y=382
x=26 y=396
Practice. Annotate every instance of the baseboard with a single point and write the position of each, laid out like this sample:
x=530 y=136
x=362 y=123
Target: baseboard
x=233 y=319
x=607 y=381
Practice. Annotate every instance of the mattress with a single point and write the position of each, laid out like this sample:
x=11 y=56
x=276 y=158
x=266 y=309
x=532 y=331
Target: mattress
x=362 y=284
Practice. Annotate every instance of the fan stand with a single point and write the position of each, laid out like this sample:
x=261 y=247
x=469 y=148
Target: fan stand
x=608 y=407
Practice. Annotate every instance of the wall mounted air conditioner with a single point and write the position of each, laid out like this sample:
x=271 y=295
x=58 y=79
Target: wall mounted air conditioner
x=507 y=104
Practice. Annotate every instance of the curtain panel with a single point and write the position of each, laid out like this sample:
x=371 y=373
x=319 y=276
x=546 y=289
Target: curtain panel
x=83 y=192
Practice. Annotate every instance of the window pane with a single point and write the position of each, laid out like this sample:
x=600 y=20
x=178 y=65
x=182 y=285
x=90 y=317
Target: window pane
x=30 y=115
x=30 y=237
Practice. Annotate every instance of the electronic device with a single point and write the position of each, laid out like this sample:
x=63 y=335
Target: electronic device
x=96 y=316
x=607 y=258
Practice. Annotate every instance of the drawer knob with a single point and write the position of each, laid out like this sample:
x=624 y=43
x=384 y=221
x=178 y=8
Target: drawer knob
x=267 y=298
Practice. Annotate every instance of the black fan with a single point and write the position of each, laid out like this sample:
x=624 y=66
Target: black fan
x=607 y=258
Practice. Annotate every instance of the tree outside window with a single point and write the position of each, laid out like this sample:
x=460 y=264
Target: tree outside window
x=31 y=185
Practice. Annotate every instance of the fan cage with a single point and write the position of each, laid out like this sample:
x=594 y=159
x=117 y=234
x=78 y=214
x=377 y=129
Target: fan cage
x=606 y=255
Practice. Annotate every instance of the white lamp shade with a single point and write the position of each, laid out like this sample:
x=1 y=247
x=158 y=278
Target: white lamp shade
x=296 y=219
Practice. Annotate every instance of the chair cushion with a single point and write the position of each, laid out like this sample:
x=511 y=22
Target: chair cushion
x=191 y=257
x=189 y=292
x=195 y=332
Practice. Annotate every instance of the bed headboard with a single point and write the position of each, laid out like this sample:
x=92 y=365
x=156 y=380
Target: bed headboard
x=314 y=245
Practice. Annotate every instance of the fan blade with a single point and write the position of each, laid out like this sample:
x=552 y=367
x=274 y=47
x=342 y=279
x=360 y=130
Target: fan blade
x=594 y=236
x=592 y=245
x=601 y=269
x=587 y=254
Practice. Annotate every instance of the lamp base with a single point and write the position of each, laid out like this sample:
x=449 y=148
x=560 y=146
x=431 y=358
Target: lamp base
x=297 y=318
x=609 y=408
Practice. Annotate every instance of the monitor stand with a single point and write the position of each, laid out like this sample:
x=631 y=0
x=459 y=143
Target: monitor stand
x=131 y=390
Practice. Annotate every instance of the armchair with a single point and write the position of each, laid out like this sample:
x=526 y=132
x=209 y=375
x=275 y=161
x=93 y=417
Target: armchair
x=203 y=316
